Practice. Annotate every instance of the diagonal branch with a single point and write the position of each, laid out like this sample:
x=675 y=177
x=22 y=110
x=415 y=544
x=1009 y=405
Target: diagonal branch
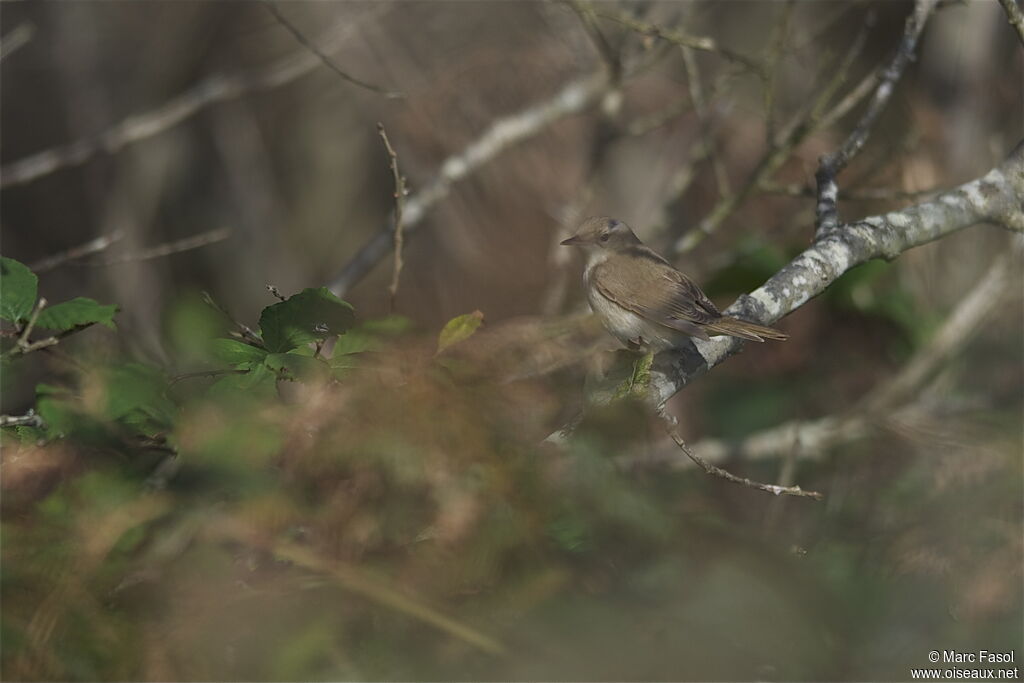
x=498 y=137
x=1014 y=17
x=893 y=399
x=997 y=198
x=324 y=57
x=212 y=90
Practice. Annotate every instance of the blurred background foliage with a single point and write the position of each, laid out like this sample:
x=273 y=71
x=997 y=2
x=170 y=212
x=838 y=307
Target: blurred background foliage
x=195 y=509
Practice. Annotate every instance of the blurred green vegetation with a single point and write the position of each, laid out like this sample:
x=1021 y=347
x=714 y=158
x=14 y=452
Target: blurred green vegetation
x=321 y=500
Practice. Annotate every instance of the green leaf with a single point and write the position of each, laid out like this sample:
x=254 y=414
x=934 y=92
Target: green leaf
x=295 y=365
x=355 y=342
x=310 y=315
x=137 y=395
x=256 y=385
x=234 y=352
x=389 y=326
x=459 y=329
x=18 y=290
x=80 y=311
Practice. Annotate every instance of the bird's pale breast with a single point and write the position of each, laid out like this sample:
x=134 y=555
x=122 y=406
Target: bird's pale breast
x=623 y=324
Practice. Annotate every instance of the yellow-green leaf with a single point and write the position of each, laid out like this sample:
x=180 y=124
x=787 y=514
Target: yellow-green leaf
x=459 y=329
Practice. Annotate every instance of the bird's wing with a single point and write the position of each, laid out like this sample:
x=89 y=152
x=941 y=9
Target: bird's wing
x=658 y=292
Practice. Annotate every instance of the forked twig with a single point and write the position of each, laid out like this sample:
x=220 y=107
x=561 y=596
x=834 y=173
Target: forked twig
x=827 y=211
x=323 y=57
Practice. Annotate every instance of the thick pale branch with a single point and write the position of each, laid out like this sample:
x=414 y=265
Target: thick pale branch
x=997 y=198
x=893 y=401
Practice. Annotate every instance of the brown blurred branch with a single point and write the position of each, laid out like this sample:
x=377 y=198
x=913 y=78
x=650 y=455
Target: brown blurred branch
x=358 y=581
x=1014 y=17
x=216 y=88
x=323 y=57
x=93 y=246
x=676 y=37
x=166 y=249
x=16 y=39
x=399 y=195
x=864 y=194
x=500 y=135
x=830 y=165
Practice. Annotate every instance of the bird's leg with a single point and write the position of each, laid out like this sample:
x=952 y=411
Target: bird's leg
x=640 y=375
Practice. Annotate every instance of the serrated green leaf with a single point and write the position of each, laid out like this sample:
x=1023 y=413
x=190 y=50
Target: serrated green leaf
x=79 y=311
x=459 y=329
x=234 y=352
x=18 y=290
x=310 y=315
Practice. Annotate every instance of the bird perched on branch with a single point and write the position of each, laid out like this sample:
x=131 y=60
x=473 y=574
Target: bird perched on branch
x=642 y=300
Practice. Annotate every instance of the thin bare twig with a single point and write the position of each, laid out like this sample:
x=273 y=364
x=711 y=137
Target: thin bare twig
x=798 y=130
x=1014 y=17
x=245 y=331
x=700 y=106
x=212 y=90
x=830 y=165
x=165 y=249
x=499 y=136
x=276 y=293
x=743 y=481
x=323 y=57
x=16 y=39
x=780 y=33
x=587 y=16
x=204 y=373
x=93 y=246
x=23 y=342
x=676 y=37
x=399 y=195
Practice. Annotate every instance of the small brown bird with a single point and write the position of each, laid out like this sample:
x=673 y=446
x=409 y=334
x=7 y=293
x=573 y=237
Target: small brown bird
x=642 y=300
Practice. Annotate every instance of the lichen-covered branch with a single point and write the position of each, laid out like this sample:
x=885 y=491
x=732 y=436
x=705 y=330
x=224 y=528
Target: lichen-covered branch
x=894 y=400
x=997 y=197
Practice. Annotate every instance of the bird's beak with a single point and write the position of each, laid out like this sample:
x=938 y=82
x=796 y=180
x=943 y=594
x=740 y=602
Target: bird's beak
x=573 y=241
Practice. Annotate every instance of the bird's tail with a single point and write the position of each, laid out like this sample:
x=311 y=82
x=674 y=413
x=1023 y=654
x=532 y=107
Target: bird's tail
x=734 y=327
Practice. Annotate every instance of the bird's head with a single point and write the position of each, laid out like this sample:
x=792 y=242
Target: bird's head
x=600 y=232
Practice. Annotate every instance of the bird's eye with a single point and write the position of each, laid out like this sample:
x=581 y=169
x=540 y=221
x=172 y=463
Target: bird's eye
x=604 y=237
